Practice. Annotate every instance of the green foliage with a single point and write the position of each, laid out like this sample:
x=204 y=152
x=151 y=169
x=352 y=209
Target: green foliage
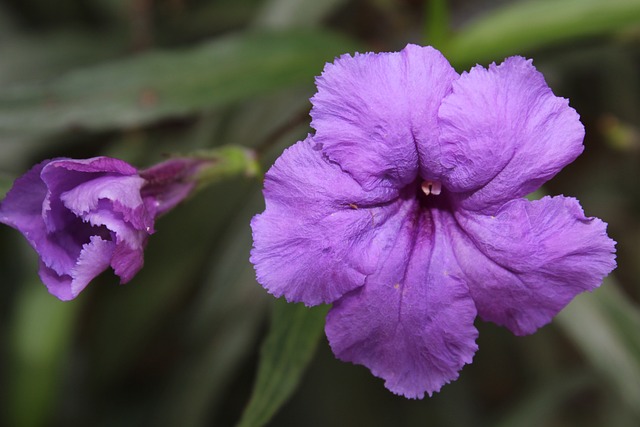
x=158 y=85
x=533 y=24
x=224 y=321
x=287 y=350
x=41 y=333
x=541 y=404
x=188 y=341
x=437 y=23
x=604 y=326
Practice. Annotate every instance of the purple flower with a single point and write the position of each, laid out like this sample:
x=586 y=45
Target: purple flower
x=84 y=216
x=406 y=211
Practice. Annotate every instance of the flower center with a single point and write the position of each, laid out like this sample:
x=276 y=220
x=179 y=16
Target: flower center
x=431 y=187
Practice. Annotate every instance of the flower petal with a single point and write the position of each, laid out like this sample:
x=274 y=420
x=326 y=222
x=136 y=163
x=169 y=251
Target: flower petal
x=22 y=210
x=170 y=182
x=59 y=285
x=375 y=114
x=504 y=133
x=94 y=258
x=531 y=259
x=61 y=175
x=22 y=206
x=93 y=165
x=127 y=260
x=122 y=193
x=412 y=322
x=128 y=257
x=319 y=234
x=60 y=249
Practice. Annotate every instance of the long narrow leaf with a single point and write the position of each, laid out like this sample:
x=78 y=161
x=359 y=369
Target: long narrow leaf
x=541 y=404
x=41 y=331
x=292 y=340
x=157 y=85
x=608 y=338
x=532 y=24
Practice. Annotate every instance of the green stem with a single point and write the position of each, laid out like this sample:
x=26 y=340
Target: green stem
x=225 y=162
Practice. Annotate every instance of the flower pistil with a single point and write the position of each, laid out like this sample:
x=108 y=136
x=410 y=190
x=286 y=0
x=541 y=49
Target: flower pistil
x=431 y=187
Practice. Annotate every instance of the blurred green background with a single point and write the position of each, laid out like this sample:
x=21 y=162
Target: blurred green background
x=193 y=338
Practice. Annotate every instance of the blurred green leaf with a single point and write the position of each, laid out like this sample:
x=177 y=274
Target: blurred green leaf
x=41 y=331
x=194 y=20
x=6 y=182
x=174 y=260
x=37 y=57
x=526 y=25
x=28 y=57
x=157 y=85
x=623 y=314
x=225 y=318
x=604 y=326
x=289 y=347
x=276 y=117
x=281 y=14
x=437 y=23
x=540 y=405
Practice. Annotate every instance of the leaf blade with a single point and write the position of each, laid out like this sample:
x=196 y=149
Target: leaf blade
x=531 y=24
x=157 y=85
x=607 y=338
x=286 y=352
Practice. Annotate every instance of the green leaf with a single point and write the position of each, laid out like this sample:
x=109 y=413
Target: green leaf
x=437 y=23
x=6 y=182
x=173 y=261
x=540 y=405
x=41 y=331
x=279 y=14
x=604 y=326
x=225 y=319
x=286 y=352
x=156 y=85
x=38 y=57
x=532 y=24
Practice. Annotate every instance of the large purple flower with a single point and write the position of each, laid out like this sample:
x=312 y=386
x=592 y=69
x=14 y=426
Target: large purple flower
x=82 y=216
x=406 y=211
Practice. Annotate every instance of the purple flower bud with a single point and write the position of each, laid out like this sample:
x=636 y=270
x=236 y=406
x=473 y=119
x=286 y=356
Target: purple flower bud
x=168 y=183
x=83 y=216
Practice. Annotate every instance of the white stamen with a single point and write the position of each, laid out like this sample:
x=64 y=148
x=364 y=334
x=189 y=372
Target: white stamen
x=431 y=187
